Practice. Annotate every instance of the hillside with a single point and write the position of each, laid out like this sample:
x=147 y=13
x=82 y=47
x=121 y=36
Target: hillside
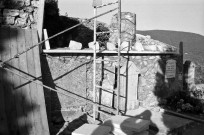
x=193 y=43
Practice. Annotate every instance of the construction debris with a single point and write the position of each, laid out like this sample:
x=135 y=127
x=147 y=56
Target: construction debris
x=73 y=45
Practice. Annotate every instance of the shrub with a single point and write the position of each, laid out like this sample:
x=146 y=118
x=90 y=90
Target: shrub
x=102 y=38
x=184 y=102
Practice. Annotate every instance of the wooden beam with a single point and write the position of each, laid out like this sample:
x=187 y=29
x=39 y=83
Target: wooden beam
x=181 y=50
x=64 y=50
x=40 y=91
x=181 y=62
x=24 y=88
x=40 y=18
x=47 y=43
x=33 y=87
x=17 y=82
x=3 y=119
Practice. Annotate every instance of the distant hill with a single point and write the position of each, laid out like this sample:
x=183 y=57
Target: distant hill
x=193 y=43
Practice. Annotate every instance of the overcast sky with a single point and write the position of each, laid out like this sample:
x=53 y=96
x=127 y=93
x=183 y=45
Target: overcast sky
x=177 y=15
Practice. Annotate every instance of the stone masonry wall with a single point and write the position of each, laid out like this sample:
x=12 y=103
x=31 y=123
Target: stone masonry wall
x=19 y=13
x=152 y=84
x=75 y=74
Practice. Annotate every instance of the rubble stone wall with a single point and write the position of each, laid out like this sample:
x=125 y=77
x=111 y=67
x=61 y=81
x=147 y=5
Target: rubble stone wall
x=75 y=74
x=19 y=13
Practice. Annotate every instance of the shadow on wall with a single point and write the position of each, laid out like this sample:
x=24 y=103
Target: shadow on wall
x=67 y=76
x=170 y=96
x=51 y=98
x=15 y=105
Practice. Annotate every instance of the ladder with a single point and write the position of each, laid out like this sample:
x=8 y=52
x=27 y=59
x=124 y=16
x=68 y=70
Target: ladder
x=95 y=108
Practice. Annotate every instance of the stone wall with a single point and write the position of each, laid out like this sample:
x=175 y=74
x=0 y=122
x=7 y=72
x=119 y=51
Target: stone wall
x=19 y=13
x=152 y=86
x=75 y=74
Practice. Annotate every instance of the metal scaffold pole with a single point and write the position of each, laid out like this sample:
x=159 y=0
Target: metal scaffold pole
x=119 y=43
x=94 y=66
x=98 y=4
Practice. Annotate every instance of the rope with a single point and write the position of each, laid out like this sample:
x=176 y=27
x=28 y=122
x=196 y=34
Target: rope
x=79 y=98
x=17 y=55
x=108 y=4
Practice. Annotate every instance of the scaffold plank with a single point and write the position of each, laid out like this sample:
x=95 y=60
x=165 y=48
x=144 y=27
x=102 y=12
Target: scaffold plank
x=40 y=92
x=3 y=119
x=16 y=83
x=26 y=95
x=32 y=86
x=64 y=50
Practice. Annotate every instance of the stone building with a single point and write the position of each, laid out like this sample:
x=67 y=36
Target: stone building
x=147 y=77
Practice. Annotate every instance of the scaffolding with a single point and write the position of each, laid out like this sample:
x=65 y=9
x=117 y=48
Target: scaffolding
x=96 y=6
x=4 y=65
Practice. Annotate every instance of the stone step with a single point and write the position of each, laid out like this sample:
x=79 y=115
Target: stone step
x=124 y=125
x=91 y=129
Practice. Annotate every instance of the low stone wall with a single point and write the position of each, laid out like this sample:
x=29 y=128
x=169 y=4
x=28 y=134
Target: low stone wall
x=19 y=13
x=75 y=74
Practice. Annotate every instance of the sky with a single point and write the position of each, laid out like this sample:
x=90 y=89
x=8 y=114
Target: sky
x=176 y=15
